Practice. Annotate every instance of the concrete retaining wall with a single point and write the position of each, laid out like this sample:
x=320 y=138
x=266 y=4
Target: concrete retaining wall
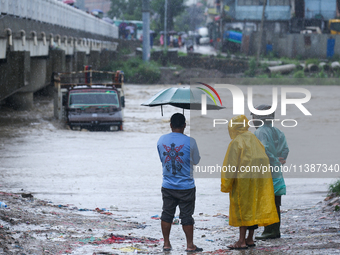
x=224 y=65
x=195 y=60
x=296 y=45
x=127 y=45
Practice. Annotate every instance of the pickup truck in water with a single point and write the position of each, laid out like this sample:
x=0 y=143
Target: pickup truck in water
x=90 y=105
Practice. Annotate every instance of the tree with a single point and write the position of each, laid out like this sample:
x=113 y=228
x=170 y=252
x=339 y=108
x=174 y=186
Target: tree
x=128 y=10
x=175 y=8
x=192 y=18
x=132 y=10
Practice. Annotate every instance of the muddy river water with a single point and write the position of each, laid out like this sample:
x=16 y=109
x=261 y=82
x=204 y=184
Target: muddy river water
x=122 y=171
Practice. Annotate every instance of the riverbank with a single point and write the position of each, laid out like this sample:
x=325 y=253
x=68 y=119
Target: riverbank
x=34 y=226
x=178 y=67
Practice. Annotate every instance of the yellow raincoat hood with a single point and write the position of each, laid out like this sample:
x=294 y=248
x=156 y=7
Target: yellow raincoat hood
x=250 y=189
x=237 y=126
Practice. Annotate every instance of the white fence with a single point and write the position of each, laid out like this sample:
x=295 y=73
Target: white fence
x=58 y=13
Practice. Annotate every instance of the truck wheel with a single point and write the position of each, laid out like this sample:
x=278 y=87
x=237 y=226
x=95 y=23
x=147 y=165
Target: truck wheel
x=75 y=128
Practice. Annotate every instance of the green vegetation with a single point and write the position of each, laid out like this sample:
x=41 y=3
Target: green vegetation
x=299 y=74
x=321 y=74
x=271 y=55
x=337 y=74
x=264 y=67
x=132 y=10
x=125 y=51
x=182 y=54
x=276 y=75
x=174 y=9
x=334 y=188
x=192 y=18
x=251 y=72
x=127 y=10
x=287 y=61
x=137 y=71
x=312 y=61
x=262 y=76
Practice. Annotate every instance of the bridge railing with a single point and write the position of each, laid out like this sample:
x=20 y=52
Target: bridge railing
x=58 y=13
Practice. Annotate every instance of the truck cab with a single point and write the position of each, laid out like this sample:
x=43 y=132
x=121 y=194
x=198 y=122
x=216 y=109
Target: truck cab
x=334 y=26
x=95 y=107
x=85 y=102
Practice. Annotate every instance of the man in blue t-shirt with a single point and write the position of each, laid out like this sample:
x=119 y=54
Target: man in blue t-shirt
x=178 y=153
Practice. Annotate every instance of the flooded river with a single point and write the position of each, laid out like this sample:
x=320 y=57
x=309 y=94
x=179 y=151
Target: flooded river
x=121 y=170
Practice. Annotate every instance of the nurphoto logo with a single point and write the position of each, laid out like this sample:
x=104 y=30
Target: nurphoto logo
x=239 y=101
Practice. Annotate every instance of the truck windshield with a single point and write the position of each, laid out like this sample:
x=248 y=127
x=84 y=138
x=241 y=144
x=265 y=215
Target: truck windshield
x=107 y=98
x=335 y=26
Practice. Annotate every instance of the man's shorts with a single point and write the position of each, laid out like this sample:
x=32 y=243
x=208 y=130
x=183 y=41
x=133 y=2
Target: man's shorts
x=185 y=199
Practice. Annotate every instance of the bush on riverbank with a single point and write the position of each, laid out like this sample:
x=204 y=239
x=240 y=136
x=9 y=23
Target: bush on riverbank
x=335 y=188
x=137 y=71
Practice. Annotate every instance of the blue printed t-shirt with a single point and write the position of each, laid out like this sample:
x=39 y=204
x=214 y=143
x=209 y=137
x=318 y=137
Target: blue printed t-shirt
x=178 y=153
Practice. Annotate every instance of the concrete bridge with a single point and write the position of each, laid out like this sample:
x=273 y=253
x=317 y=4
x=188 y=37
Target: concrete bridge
x=39 y=37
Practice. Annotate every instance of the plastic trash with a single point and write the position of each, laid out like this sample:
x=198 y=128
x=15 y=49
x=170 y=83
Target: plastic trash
x=3 y=205
x=175 y=222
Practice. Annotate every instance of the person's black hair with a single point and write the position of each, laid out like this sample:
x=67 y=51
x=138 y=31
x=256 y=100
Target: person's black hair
x=177 y=120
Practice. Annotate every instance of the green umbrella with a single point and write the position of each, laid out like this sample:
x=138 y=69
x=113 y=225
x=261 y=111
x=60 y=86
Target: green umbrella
x=185 y=98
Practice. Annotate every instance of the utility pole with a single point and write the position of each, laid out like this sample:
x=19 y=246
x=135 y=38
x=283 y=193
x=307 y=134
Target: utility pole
x=165 y=22
x=146 y=30
x=221 y=26
x=261 y=33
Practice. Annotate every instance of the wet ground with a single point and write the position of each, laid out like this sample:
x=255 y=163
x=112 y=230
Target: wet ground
x=71 y=173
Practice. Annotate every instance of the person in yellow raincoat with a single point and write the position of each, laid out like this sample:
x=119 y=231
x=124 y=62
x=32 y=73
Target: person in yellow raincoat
x=246 y=177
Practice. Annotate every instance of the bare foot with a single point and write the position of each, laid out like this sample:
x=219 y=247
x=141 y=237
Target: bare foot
x=238 y=246
x=167 y=246
x=194 y=249
x=250 y=242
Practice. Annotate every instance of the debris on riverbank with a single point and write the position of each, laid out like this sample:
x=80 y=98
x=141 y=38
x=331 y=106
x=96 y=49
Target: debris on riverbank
x=36 y=226
x=33 y=226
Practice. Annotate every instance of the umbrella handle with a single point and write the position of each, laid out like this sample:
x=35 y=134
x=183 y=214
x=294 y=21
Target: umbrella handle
x=162 y=109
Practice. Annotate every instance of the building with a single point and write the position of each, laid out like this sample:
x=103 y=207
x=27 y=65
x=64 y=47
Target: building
x=283 y=15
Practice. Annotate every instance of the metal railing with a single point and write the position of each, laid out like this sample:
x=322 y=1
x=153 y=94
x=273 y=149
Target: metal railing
x=58 y=13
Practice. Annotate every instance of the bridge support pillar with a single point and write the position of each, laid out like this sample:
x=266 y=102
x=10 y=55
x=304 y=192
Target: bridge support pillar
x=14 y=73
x=38 y=79
x=69 y=63
x=57 y=63
x=80 y=60
x=94 y=60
